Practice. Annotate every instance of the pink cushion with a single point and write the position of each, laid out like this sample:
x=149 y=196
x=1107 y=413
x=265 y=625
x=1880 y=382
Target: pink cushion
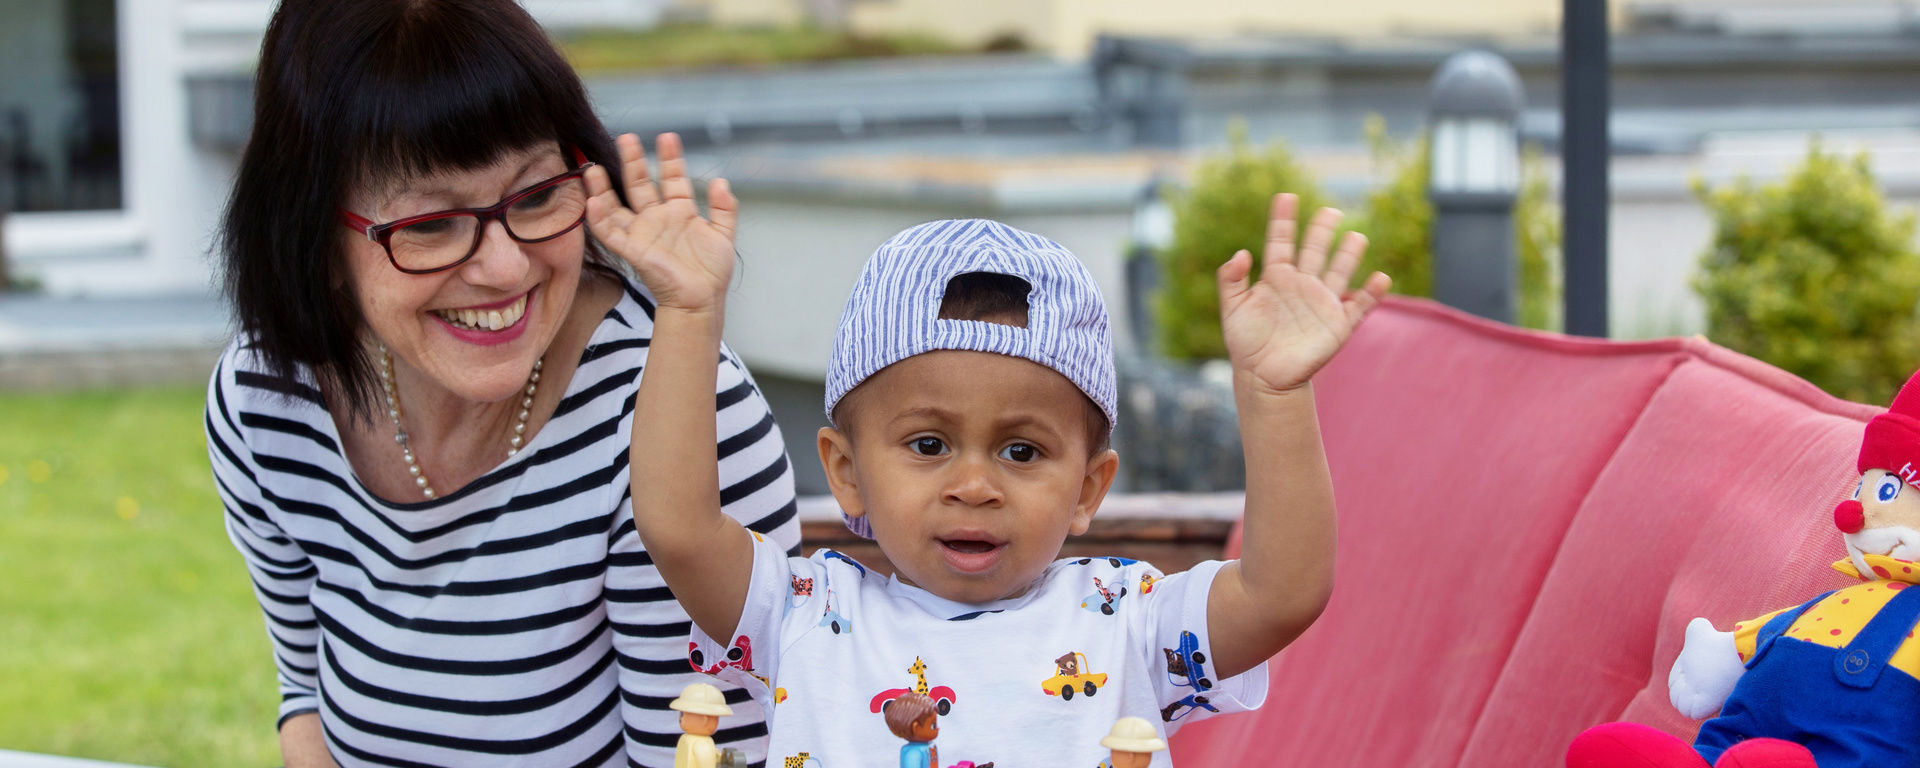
x=1513 y=509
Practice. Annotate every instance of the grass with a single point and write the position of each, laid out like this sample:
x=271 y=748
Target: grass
x=699 y=45
x=128 y=630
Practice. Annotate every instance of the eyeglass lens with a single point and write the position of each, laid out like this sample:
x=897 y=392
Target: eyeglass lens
x=536 y=214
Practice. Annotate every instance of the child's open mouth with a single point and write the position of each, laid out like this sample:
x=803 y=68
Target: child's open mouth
x=970 y=555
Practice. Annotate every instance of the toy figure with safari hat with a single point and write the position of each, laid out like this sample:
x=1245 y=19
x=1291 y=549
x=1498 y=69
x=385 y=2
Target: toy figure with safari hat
x=700 y=706
x=1833 y=682
x=1133 y=742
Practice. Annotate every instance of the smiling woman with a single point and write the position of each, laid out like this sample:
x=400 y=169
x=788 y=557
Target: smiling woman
x=419 y=436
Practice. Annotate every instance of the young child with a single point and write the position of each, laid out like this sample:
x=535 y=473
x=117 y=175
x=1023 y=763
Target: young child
x=972 y=393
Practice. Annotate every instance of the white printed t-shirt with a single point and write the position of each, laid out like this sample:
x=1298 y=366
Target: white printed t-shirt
x=1033 y=680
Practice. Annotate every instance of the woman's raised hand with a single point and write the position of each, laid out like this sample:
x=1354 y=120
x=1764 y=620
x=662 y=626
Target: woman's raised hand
x=1282 y=327
x=685 y=259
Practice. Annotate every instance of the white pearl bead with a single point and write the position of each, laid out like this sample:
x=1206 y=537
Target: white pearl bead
x=414 y=468
x=420 y=481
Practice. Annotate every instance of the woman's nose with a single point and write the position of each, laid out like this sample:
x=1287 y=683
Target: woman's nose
x=498 y=262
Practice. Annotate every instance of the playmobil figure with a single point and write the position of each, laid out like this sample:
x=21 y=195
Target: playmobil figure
x=911 y=716
x=1833 y=682
x=1133 y=742
x=700 y=706
x=972 y=394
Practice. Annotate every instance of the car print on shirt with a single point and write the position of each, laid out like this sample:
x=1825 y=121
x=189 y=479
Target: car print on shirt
x=840 y=625
x=943 y=697
x=1117 y=562
x=1186 y=667
x=1103 y=600
x=1075 y=675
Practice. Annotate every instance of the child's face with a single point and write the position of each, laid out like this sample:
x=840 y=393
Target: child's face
x=972 y=468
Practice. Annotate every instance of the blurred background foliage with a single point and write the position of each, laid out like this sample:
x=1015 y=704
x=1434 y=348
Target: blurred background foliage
x=1223 y=208
x=676 y=46
x=1815 y=274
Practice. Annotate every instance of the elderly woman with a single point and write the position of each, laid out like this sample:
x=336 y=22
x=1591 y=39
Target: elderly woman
x=420 y=436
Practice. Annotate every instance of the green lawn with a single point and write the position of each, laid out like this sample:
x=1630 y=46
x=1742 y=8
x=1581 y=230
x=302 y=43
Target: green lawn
x=128 y=630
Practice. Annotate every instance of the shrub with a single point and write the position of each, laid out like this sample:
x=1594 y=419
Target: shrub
x=1222 y=210
x=1398 y=221
x=1814 y=274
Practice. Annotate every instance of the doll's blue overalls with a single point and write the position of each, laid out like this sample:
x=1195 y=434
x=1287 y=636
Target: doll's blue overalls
x=1843 y=704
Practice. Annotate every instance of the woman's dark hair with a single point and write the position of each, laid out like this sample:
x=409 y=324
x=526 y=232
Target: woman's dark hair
x=358 y=91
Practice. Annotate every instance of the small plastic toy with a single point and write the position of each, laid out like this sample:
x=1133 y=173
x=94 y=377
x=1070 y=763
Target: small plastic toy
x=700 y=706
x=1133 y=742
x=1075 y=674
x=912 y=716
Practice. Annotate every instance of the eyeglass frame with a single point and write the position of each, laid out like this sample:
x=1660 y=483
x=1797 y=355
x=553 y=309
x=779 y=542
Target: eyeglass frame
x=383 y=233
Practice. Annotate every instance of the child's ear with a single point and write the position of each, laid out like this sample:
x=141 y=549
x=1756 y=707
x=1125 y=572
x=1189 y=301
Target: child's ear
x=1093 y=489
x=836 y=457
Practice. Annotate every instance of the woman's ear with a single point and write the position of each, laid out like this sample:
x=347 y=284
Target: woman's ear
x=1101 y=468
x=836 y=457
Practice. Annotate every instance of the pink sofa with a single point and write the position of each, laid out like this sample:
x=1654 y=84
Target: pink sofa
x=1527 y=522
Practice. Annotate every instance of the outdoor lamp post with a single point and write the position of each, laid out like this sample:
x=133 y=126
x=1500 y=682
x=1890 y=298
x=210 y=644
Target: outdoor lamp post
x=1152 y=234
x=1474 y=106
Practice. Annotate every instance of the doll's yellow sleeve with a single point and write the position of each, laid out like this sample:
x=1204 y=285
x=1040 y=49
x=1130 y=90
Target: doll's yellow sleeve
x=1747 y=633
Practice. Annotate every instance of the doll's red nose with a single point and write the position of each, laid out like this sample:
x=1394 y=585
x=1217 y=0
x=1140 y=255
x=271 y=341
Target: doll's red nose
x=1850 y=516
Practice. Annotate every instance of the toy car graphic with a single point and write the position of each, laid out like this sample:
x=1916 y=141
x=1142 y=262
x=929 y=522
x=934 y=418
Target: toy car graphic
x=1187 y=706
x=943 y=697
x=802 y=760
x=740 y=657
x=1186 y=665
x=1146 y=583
x=1113 y=561
x=1103 y=600
x=1074 y=675
x=834 y=621
x=832 y=555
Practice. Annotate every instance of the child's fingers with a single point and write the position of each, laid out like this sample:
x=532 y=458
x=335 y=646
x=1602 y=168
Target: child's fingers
x=1281 y=228
x=1313 y=249
x=1232 y=277
x=723 y=209
x=633 y=172
x=1362 y=301
x=674 y=184
x=1345 y=260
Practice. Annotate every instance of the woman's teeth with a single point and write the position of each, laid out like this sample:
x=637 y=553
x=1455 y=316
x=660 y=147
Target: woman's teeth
x=485 y=319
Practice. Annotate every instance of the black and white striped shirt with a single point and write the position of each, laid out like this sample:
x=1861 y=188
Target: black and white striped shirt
x=516 y=621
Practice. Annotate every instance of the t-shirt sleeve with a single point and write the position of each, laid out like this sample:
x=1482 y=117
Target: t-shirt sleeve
x=282 y=574
x=780 y=606
x=1180 y=652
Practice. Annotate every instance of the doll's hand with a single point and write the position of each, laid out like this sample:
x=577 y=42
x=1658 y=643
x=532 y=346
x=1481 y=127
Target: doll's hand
x=1282 y=328
x=684 y=259
x=1706 y=671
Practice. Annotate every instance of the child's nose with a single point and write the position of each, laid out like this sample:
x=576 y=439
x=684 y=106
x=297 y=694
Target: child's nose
x=972 y=484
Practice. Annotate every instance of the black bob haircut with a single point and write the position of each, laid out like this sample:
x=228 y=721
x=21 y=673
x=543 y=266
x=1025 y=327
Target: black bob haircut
x=353 y=92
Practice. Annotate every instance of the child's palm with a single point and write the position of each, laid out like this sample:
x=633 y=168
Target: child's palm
x=1283 y=327
x=684 y=259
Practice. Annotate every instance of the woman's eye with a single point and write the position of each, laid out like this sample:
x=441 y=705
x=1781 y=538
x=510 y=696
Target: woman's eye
x=534 y=200
x=1020 y=452
x=1889 y=488
x=929 y=446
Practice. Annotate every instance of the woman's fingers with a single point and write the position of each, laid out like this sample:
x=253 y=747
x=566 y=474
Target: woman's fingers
x=633 y=172
x=723 y=209
x=674 y=184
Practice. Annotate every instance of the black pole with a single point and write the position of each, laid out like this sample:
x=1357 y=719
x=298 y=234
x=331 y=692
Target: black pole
x=1584 y=150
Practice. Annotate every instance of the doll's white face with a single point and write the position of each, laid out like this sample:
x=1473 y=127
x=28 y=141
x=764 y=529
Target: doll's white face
x=1891 y=507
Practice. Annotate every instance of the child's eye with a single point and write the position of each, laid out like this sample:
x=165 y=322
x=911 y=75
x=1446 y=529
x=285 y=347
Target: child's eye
x=1020 y=452
x=929 y=446
x=1889 y=488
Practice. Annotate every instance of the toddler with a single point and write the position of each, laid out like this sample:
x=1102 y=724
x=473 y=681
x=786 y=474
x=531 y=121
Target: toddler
x=972 y=393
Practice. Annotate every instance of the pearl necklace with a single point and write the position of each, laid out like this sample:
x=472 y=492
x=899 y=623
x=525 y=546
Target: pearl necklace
x=400 y=433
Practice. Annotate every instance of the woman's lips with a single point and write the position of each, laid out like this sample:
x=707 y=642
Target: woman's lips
x=488 y=325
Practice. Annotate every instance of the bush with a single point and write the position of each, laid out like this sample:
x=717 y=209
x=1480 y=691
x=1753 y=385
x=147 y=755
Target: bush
x=1398 y=220
x=1223 y=210
x=1814 y=274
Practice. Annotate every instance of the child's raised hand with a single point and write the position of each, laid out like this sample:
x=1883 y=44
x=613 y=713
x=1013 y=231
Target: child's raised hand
x=686 y=260
x=1282 y=328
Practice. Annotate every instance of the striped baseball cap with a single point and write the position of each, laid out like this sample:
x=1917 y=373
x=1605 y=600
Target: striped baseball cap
x=894 y=310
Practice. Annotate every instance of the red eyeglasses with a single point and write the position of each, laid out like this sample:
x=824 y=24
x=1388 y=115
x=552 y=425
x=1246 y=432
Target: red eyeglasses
x=431 y=242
